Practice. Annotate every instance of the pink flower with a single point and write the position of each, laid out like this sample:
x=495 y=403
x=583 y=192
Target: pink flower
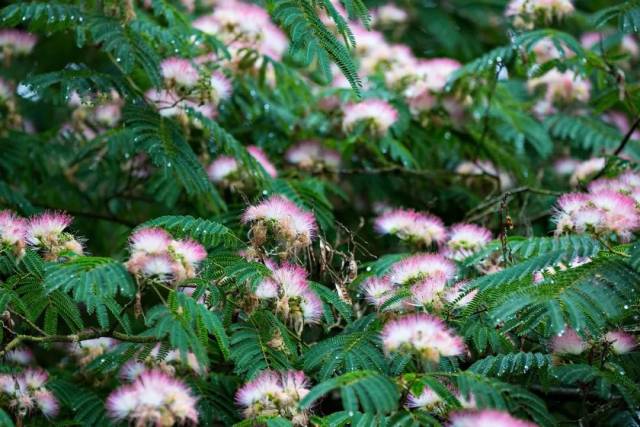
x=154 y=398
x=565 y=166
x=429 y=291
x=427 y=400
x=25 y=391
x=458 y=295
x=389 y=14
x=569 y=342
x=168 y=103
x=287 y=220
x=13 y=231
x=486 y=418
x=221 y=87
x=47 y=227
x=408 y=224
x=20 y=356
x=221 y=168
x=86 y=351
x=261 y=157
x=621 y=342
x=17 y=42
x=180 y=72
x=422 y=334
x=586 y=169
x=275 y=393
x=379 y=114
x=308 y=154
x=378 y=291
x=150 y=241
x=466 y=239
x=526 y=13
x=420 y=266
x=188 y=251
x=562 y=87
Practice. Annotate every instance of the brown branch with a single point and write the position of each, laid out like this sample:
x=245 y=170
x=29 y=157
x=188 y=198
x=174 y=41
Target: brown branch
x=627 y=137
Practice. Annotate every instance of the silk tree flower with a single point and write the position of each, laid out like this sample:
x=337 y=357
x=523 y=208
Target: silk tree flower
x=378 y=291
x=16 y=42
x=587 y=169
x=569 y=342
x=465 y=240
x=526 y=13
x=389 y=14
x=275 y=393
x=294 y=299
x=155 y=254
x=591 y=40
x=429 y=291
x=419 y=267
x=407 y=224
x=562 y=86
x=167 y=102
x=546 y=50
x=421 y=334
x=154 y=398
x=313 y=155
x=46 y=233
x=379 y=115
x=621 y=342
x=565 y=166
x=20 y=356
x=13 y=231
x=486 y=418
x=289 y=224
x=170 y=364
x=86 y=351
x=459 y=295
x=26 y=392
x=226 y=171
x=258 y=154
x=220 y=87
x=428 y=400
x=179 y=72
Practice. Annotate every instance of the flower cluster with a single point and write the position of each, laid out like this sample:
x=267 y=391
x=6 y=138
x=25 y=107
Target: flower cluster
x=16 y=42
x=570 y=343
x=289 y=288
x=20 y=356
x=93 y=115
x=422 y=278
x=527 y=13
x=86 y=351
x=156 y=255
x=376 y=114
x=227 y=172
x=277 y=216
x=275 y=394
x=26 y=392
x=487 y=418
x=417 y=227
x=431 y=401
x=44 y=233
x=171 y=362
x=154 y=398
x=312 y=155
x=423 y=335
x=605 y=210
x=560 y=87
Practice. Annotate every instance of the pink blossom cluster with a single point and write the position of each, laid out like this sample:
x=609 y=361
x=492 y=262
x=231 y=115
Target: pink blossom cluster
x=560 y=87
x=20 y=356
x=16 y=42
x=527 y=13
x=169 y=364
x=94 y=114
x=609 y=209
x=378 y=116
x=586 y=169
x=312 y=155
x=486 y=418
x=274 y=393
x=44 y=233
x=25 y=393
x=431 y=401
x=156 y=255
x=283 y=220
x=227 y=172
x=289 y=289
x=569 y=342
x=423 y=279
x=85 y=351
x=154 y=398
x=389 y=15
x=423 y=335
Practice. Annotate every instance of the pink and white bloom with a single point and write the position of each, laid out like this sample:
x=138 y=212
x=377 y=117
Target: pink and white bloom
x=275 y=393
x=379 y=115
x=422 y=334
x=86 y=351
x=154 y=398
x=408 y=224
x=458 y=295
x=466 y=239
x=179 y=72
x=46 y=233
x=20 y=356
x=586 y=169
x=420 y=266
x=389 y=14
x=562 y=86
x=621 y=342
x=151 y=241
x=284 y=218
x=310 y=154
x=13 y=231
x=258 y=154
x=221 y=87
x=427 y=400
x=569 y=342
x=16 y=42
x=429 y=291
x=378 y=291
x=222 y=168
x=25 y=392
x=486 y=418
x=526 y=13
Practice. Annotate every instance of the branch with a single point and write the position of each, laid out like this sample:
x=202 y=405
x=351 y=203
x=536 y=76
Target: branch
x=627 y=137
x=80 y=336
x=497 y=199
